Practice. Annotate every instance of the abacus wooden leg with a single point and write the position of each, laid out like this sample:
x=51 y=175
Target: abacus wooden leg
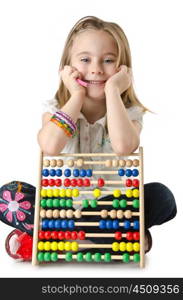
x=37 y=212
x=142 y=235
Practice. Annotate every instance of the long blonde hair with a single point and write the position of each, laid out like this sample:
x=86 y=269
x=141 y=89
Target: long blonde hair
x=129 y=97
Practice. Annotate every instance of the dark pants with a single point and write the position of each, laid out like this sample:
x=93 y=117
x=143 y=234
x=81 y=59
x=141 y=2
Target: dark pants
x=160 y=205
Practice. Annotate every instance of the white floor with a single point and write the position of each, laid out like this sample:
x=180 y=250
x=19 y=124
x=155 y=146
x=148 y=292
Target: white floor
x=164 y=260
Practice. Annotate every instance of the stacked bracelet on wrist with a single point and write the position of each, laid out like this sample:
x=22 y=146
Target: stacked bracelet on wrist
x=65 y=122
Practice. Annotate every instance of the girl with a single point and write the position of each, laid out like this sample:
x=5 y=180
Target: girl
x=97 y=97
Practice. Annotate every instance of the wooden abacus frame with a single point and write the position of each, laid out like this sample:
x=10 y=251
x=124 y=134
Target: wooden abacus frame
x=141 y=198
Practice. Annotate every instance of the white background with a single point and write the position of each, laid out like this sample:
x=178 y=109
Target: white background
x=32 y=35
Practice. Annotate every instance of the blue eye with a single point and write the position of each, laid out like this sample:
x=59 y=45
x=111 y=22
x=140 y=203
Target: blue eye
x=108 y=60
x=84 y=59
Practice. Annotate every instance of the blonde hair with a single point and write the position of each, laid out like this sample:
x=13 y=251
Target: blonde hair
x=129 y=97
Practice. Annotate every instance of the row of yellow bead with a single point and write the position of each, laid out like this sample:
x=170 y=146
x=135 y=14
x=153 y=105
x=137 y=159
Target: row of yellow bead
x=96 y=193
x=74 y=246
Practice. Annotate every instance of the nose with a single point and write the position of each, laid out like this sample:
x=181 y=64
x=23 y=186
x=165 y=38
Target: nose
x=96 y=68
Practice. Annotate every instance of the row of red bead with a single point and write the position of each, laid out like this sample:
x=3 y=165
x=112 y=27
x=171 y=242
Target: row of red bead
x=83 y=182
x=74 y=235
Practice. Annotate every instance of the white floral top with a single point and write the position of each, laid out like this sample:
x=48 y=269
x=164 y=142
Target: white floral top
x=93 y=138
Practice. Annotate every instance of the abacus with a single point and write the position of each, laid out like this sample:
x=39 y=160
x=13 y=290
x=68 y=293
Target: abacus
x=72 y=189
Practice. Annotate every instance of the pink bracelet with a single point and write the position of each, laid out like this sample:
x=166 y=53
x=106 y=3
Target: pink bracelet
x=68 y=118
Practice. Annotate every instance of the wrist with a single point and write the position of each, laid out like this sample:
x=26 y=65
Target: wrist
x=111 y=88
x=78 y=94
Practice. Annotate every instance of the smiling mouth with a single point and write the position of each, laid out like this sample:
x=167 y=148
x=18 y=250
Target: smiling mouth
x=95 y=82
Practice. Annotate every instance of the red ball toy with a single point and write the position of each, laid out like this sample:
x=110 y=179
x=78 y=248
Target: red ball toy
x=86 y=182
x=136 y=236
x=47 y=235
x=129 y=236
x=67 y=235
x=51 y=182
x=58 y=182
x=101 y=182
x=118 y=235
x=128 y=182
x=41 y=235
x=54 y=235
x=67 y=182
x=73 y=182
x=61 y=235
x=135 y=183
x=74 y=235
x=80 y=182
x=44 y=182
x=81 y=235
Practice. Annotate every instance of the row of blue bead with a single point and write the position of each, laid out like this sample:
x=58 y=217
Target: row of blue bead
x=103 y=224
x=83 y=172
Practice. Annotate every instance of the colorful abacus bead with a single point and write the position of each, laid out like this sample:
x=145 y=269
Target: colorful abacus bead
x=80 y=182
x=86 y=182
x=67 y=173
x=58 y=182
x=116 y=193
x=76 y=172
x=135 y=172
x=58 y=172
x=121 y=172
x=73 y=182
x=52 y=172
x=67 y=182
x=97 y=193
x=89 y=172
x=128 y=172
x=44 y=182
x=101 y=182
x=135 y=182
x=82 y=173
x=128 y=182
x=45 y=172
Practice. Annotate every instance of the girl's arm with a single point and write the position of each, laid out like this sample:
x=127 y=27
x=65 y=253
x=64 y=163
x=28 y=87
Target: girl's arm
x=53 y=139
x=124 y=133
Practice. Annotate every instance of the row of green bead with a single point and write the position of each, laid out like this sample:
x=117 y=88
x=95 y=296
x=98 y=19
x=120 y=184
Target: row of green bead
x=123 y=203
x=89 y=257
x=56 y=203
x=85 y=203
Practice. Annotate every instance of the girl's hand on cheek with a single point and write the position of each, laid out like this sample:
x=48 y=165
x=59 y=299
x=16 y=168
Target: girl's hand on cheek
x=120 y=80
x=69 y=75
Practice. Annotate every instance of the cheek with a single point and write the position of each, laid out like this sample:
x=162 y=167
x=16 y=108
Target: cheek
x=79 y=67
x=112 y=70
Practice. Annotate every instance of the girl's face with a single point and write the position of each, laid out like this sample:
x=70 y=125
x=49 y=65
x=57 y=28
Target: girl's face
x=94 y=55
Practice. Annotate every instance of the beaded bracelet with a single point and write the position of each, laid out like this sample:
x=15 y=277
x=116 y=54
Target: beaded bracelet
x=68 y=118
x=66 y=121
x=61 y=123
x=68 y=127
x=61 y=126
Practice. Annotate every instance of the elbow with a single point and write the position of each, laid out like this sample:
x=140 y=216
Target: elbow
x=49 y=151
x=48 y=148
x=122 y=151
x=125 y=149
